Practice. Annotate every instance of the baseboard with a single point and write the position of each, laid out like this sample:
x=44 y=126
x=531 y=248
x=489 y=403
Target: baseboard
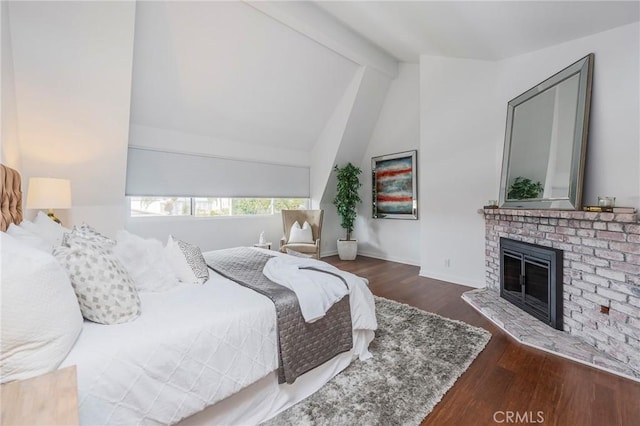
x=452 y=279
x=389 y=258
x=375 y=256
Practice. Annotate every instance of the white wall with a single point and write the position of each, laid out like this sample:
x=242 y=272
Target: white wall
x=361 y=121
x=325 y=150
x=10 y=152
x=459 y=132
x=189 y=143
x=397 y=130
x=463 y=110
x=72 y=63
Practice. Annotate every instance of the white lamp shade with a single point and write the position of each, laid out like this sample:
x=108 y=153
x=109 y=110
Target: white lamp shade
x=49 y=193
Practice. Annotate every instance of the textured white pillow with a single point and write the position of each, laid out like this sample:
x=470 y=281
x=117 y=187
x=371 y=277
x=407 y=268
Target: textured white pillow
x=29 y=238
x=40 y=316
x=186 y=261
x=104 y=289
x=50 y=231
x=300 y=235
x=86 y=232
x=33 y=228
x=145 y=261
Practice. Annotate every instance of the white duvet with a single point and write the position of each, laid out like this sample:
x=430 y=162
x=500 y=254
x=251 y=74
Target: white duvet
x=191 y=347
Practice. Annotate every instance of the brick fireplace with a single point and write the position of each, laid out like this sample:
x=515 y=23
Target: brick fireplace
x=601 y=276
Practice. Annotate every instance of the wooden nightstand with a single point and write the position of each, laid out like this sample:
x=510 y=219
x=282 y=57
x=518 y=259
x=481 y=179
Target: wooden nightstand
x=50 y=399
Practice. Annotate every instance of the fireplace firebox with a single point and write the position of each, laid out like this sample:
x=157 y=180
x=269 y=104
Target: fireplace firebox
x=531 y=278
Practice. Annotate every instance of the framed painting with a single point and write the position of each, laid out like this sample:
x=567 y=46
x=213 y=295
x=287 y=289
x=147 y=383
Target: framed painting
x=394 y=186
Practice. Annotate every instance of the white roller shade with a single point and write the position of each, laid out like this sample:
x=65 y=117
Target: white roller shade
x=158 y=173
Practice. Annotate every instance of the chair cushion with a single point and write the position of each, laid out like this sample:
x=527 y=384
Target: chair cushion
x=298 y=254
x=301 y=247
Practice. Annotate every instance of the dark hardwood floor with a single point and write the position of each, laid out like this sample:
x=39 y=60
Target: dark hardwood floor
x=506 y=377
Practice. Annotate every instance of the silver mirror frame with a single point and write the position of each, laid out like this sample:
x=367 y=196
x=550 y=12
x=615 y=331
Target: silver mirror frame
x=584 y=68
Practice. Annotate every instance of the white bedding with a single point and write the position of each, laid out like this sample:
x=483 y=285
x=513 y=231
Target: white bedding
x=316 y=291
x=191 y=347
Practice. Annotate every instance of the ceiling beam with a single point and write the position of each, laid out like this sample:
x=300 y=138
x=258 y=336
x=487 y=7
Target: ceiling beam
x=316 y=24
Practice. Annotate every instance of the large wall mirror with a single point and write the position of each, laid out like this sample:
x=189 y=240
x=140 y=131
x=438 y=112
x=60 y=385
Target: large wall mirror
x=545 y=142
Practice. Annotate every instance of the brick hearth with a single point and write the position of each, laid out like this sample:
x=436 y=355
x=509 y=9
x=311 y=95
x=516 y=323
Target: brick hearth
x=601 y=268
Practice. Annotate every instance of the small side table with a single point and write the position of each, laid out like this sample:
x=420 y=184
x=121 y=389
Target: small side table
x=266 y=245
x=50 y=399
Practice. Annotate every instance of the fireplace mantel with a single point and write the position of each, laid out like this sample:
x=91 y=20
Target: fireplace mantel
x=601 y=277
x=565 y=214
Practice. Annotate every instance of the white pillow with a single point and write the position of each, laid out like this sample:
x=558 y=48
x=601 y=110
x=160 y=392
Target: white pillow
x=29 y=238
x=86 y=232
x=40 y=316
x=186 y=261
x=104 y=288
x=145 y=261
x=300 y=235
x=31 y=227
x=52 y=232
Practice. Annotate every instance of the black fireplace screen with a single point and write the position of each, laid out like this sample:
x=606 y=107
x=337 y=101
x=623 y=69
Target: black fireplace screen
x=531 y=278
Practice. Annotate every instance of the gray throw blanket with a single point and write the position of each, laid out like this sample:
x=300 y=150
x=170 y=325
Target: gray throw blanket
x=302 y=346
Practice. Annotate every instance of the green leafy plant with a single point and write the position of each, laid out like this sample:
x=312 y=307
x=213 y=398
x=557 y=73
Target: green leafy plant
x=524 y=188
x=347 y=197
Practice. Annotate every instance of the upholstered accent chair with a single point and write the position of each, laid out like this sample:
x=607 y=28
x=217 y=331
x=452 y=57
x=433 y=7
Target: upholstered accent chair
x=314 y=218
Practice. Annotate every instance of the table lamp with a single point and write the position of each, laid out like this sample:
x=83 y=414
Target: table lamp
x=49 y=193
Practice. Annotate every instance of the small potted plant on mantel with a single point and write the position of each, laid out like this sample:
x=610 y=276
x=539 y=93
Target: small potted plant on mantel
x=346 y=202
x=524 y=189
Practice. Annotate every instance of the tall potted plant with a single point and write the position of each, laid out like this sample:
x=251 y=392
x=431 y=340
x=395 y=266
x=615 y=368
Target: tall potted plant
x=346 y=202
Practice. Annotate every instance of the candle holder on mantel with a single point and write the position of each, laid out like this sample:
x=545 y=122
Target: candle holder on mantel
x=606 y=201
x=492 y=204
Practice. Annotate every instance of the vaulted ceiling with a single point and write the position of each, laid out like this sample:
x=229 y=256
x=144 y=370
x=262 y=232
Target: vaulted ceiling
x=489 y=30
x=271 y=74
x=226 y=70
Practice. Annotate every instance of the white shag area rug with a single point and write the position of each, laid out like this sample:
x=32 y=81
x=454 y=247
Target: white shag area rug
x=417 y=357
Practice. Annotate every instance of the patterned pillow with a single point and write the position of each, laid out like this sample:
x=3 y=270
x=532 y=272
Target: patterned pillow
x=86 y=232
x=187 y=261
x=105 y=291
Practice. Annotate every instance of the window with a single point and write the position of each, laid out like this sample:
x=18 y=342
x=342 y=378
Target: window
x=160 y=206
x=212 y=206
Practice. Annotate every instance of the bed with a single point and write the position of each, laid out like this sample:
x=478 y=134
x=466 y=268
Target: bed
x=205 y=354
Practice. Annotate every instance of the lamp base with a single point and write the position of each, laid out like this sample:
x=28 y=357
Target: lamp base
x=53 y=217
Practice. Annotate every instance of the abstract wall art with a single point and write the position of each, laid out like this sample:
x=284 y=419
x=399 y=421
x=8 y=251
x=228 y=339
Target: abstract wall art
x=394 y=186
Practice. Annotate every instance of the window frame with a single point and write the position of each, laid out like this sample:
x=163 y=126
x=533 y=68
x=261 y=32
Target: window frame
x=192 y=215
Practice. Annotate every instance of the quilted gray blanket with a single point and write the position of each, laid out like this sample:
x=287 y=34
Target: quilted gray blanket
x=302 y=346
